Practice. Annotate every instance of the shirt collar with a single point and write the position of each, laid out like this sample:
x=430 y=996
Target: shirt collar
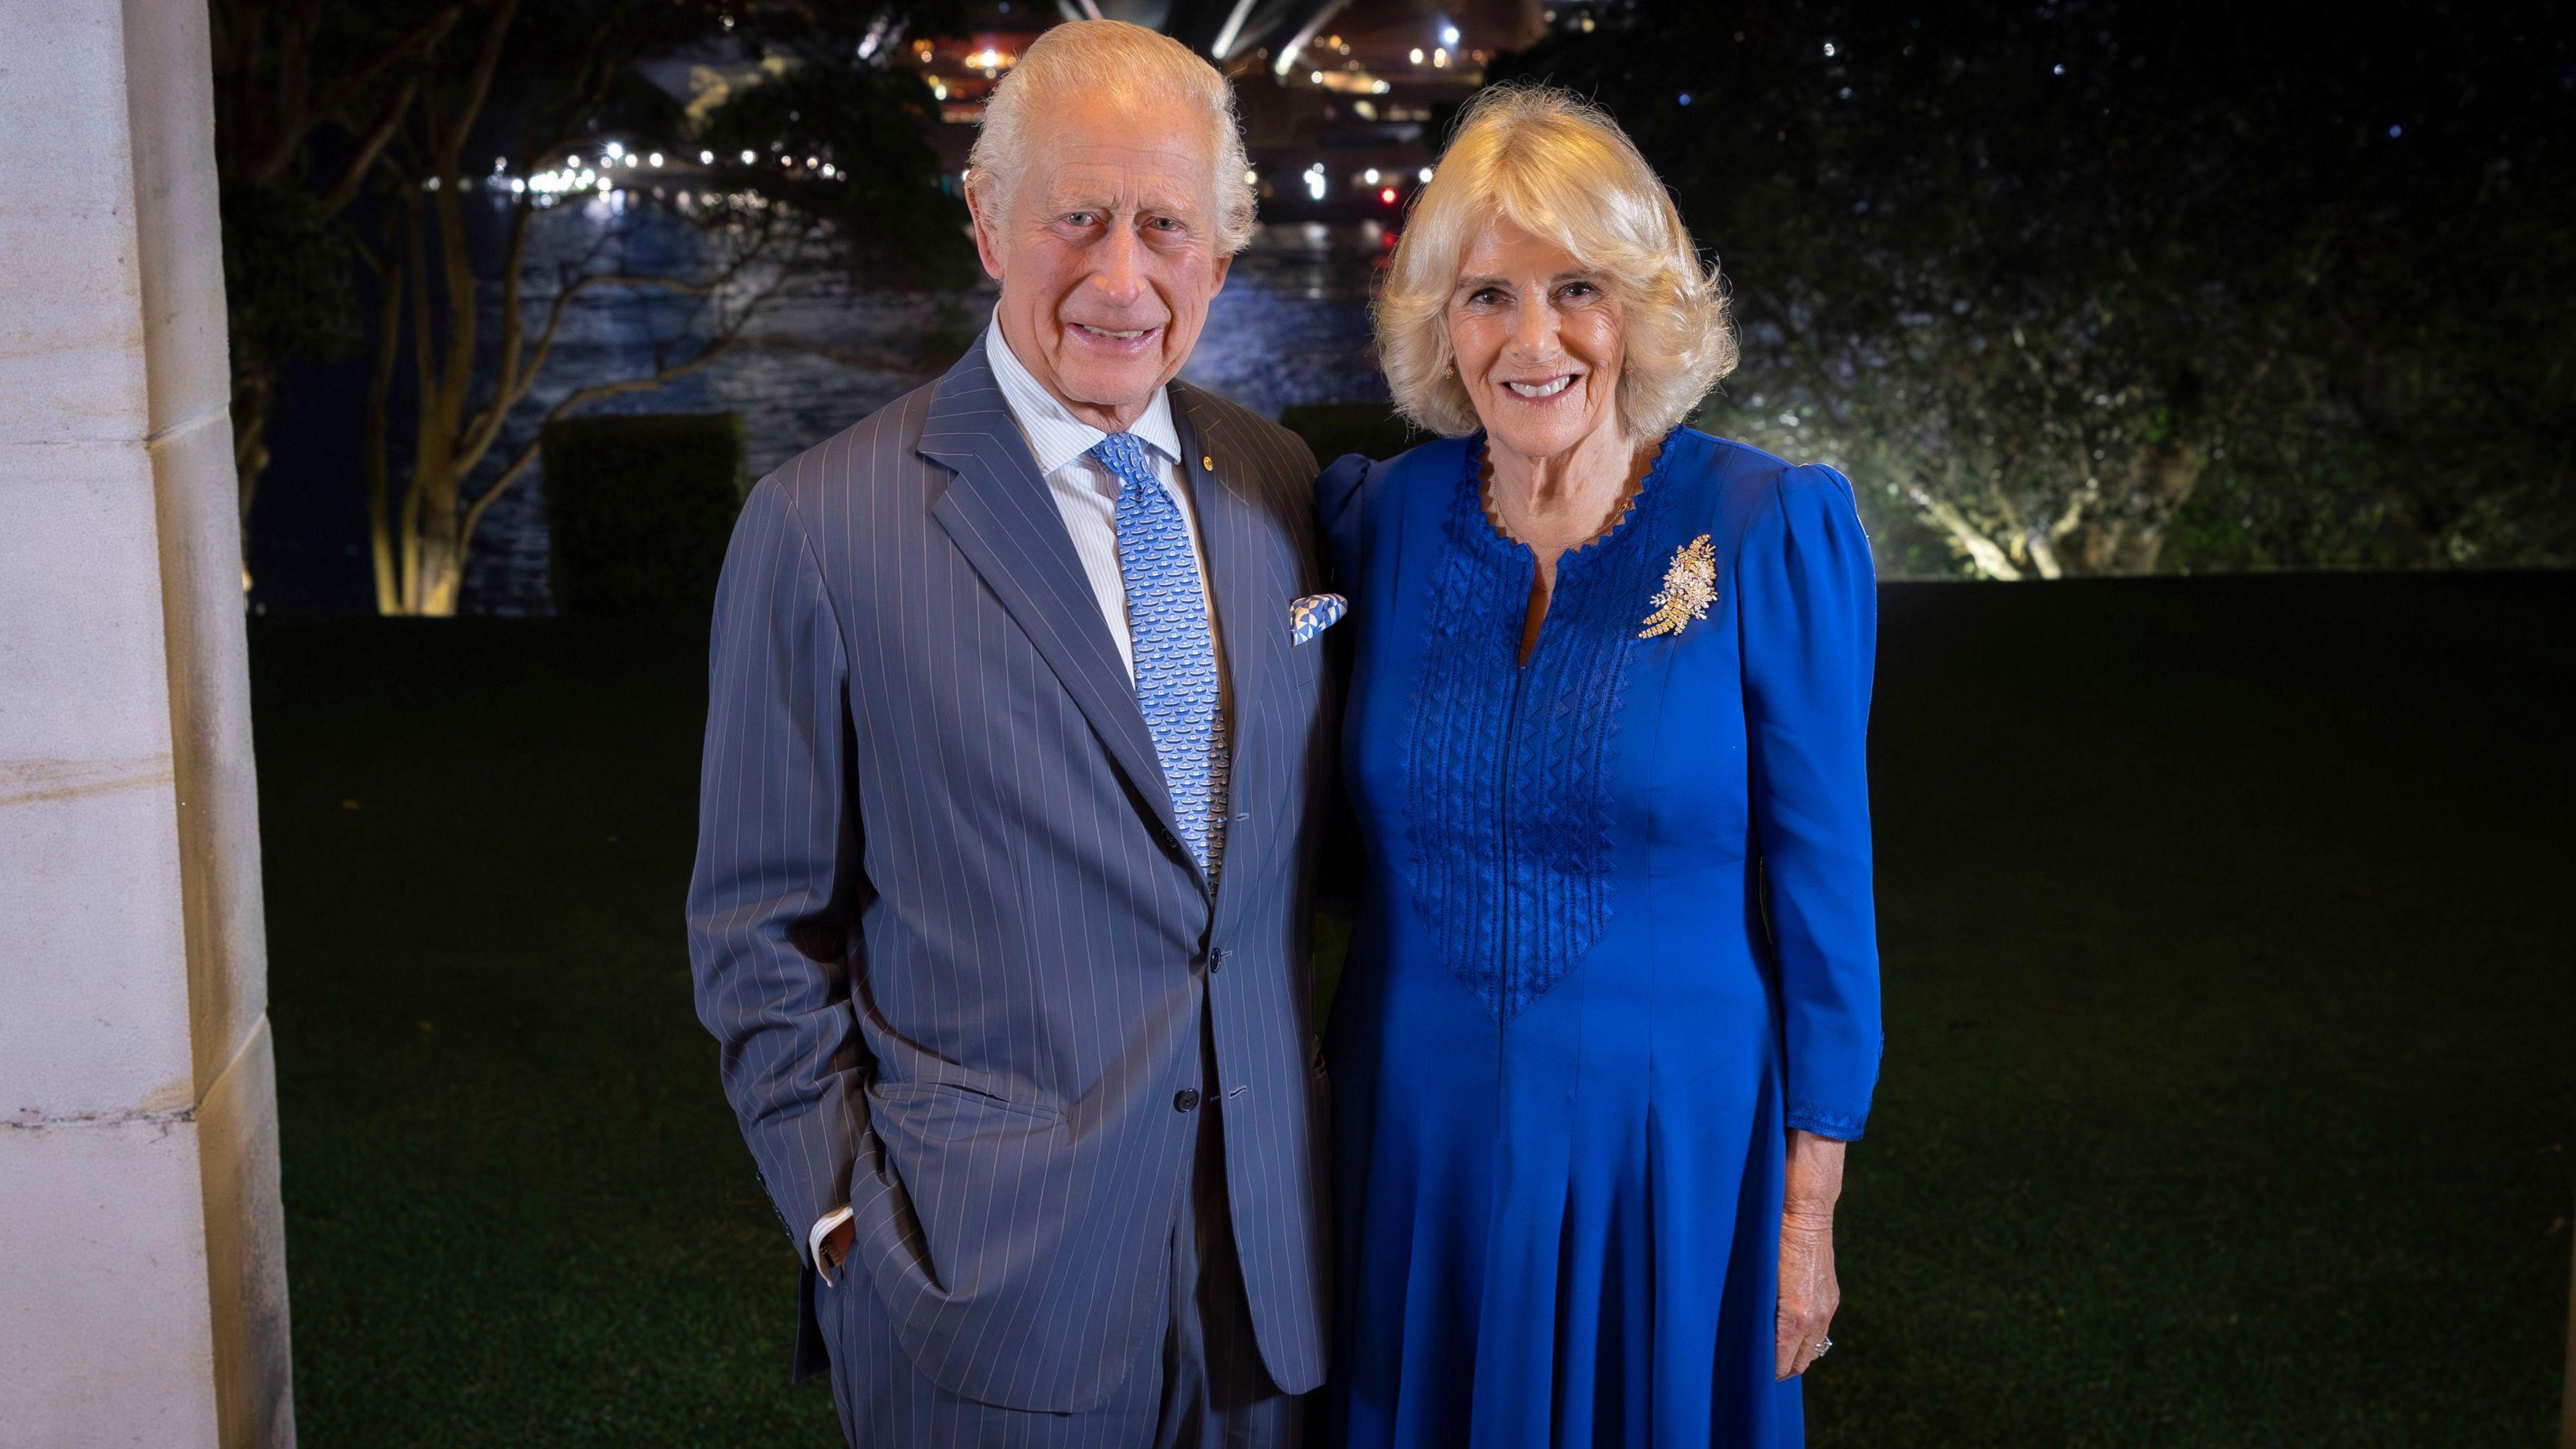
x=1055 y=435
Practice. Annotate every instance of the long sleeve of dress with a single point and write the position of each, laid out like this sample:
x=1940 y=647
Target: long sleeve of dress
x=772 y=904
x=1808 y=600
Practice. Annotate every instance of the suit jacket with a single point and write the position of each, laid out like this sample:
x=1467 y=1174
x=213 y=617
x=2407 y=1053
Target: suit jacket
x=942 y=922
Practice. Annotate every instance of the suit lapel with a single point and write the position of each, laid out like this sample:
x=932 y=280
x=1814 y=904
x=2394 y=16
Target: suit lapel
x=998 y=511
x=1252 y=623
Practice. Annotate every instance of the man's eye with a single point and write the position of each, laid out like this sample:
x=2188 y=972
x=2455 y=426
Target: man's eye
x=1164 y=223
x=1080 y=218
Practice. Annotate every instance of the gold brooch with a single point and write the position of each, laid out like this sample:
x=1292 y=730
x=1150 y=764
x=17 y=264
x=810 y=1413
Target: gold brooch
x=1690 y=586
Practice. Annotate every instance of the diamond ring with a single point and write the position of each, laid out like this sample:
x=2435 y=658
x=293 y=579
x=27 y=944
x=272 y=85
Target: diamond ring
x=1822 y=1347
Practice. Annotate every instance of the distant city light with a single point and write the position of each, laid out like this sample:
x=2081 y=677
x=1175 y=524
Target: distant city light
x=616 y=149
x=1439 y=58
x=2396 y=131
x=2058 y=69
x=653 y=160
x=748 y=158
x=1251 y=178
x=706 y=158
x=1829 y=50
x=1423 y=176
x=1370 y=176
x=1417 y=55
x=1682 y=99
x=1448 y=35
x=1316 y=76
x=1387 y=196
x=812 y=162
x=572 y=163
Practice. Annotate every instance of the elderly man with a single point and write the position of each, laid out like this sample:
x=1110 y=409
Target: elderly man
x=1013 y=773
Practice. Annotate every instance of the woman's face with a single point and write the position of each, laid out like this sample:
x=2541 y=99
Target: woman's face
x=1538 y=340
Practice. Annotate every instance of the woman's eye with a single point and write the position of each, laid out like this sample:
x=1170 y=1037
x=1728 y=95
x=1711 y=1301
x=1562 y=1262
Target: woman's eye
x=1581 y=291
x=1483 y=297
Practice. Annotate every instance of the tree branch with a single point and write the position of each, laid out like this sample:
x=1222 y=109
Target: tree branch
x=517 y=382
x=432 y=29
x=370 y=145
x=294 y=80
x=578 y=396
x=1980 y=549
x=478 y=85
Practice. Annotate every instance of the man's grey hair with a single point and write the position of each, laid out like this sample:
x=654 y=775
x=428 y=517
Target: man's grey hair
x=1134 y=64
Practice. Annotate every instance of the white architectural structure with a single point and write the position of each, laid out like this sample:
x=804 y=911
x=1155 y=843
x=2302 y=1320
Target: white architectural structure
x=142 y=1263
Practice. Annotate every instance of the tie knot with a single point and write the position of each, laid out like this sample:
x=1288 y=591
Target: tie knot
x=1125 y=454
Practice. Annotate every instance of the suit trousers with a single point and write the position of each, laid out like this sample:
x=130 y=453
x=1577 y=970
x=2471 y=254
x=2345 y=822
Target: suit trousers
x=1205 y=1389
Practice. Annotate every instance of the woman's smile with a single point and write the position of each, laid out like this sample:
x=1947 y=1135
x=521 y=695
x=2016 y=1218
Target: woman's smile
x=1541 y=390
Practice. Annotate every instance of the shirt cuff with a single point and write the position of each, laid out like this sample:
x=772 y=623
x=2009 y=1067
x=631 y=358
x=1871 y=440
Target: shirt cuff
x=823 y=1227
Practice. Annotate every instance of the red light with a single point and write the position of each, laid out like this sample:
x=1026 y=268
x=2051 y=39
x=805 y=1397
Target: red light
x=1387 y=196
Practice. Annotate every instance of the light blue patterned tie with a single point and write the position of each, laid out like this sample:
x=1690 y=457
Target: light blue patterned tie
x=1167 y=625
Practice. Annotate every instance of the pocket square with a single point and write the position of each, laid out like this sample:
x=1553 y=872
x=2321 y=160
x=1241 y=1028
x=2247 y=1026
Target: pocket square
x=1314 y=614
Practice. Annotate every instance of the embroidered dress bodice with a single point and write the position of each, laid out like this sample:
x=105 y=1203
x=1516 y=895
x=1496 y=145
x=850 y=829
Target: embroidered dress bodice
x=1510 y=817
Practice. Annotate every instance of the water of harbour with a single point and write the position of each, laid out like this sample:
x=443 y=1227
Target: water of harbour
x=1290 y=326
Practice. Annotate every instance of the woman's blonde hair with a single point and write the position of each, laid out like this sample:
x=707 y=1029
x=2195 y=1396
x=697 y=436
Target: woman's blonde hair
x=1559 y=168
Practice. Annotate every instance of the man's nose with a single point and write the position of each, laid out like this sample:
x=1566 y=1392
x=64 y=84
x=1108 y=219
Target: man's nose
x=1119 y=276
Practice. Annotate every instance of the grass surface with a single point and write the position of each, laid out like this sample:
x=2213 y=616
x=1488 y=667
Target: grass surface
x=2230 y=1095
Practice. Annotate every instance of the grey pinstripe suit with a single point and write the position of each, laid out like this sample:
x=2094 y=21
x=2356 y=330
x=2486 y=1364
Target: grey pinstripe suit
x=941 y=922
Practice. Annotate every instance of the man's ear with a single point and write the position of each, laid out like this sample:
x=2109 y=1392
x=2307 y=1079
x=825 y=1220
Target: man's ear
x=988 y=224
x=1224 y=264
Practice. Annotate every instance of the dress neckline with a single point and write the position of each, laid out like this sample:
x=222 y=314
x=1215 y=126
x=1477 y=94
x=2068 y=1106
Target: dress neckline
x=1480 y=498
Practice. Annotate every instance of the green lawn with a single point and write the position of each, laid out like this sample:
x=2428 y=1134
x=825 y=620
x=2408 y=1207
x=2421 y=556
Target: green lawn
x=2230 y=1095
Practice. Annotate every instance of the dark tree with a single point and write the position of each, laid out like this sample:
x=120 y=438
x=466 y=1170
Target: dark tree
x=482 y=109
x=294 y=78
x=2086 y=287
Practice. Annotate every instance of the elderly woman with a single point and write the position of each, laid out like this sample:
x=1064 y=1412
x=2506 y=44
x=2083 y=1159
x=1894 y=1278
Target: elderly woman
x=1610 y=1013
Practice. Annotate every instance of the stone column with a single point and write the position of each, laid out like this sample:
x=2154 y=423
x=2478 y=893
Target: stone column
x=142 y=1262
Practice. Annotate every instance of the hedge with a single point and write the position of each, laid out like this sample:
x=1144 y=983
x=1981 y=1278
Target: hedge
x=640 y=508
x=1332 y=429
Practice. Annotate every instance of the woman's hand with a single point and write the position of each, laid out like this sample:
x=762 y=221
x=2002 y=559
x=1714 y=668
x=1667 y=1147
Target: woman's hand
x=1808 y=1292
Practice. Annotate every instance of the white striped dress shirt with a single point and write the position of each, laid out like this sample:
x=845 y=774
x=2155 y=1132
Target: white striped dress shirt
x=1086 y=492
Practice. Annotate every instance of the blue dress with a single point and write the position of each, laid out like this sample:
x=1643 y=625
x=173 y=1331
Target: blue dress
x=1615 y=940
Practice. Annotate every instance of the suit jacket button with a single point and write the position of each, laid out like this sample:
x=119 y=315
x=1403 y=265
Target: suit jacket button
x=1216 y=958
x=1185 y=1100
